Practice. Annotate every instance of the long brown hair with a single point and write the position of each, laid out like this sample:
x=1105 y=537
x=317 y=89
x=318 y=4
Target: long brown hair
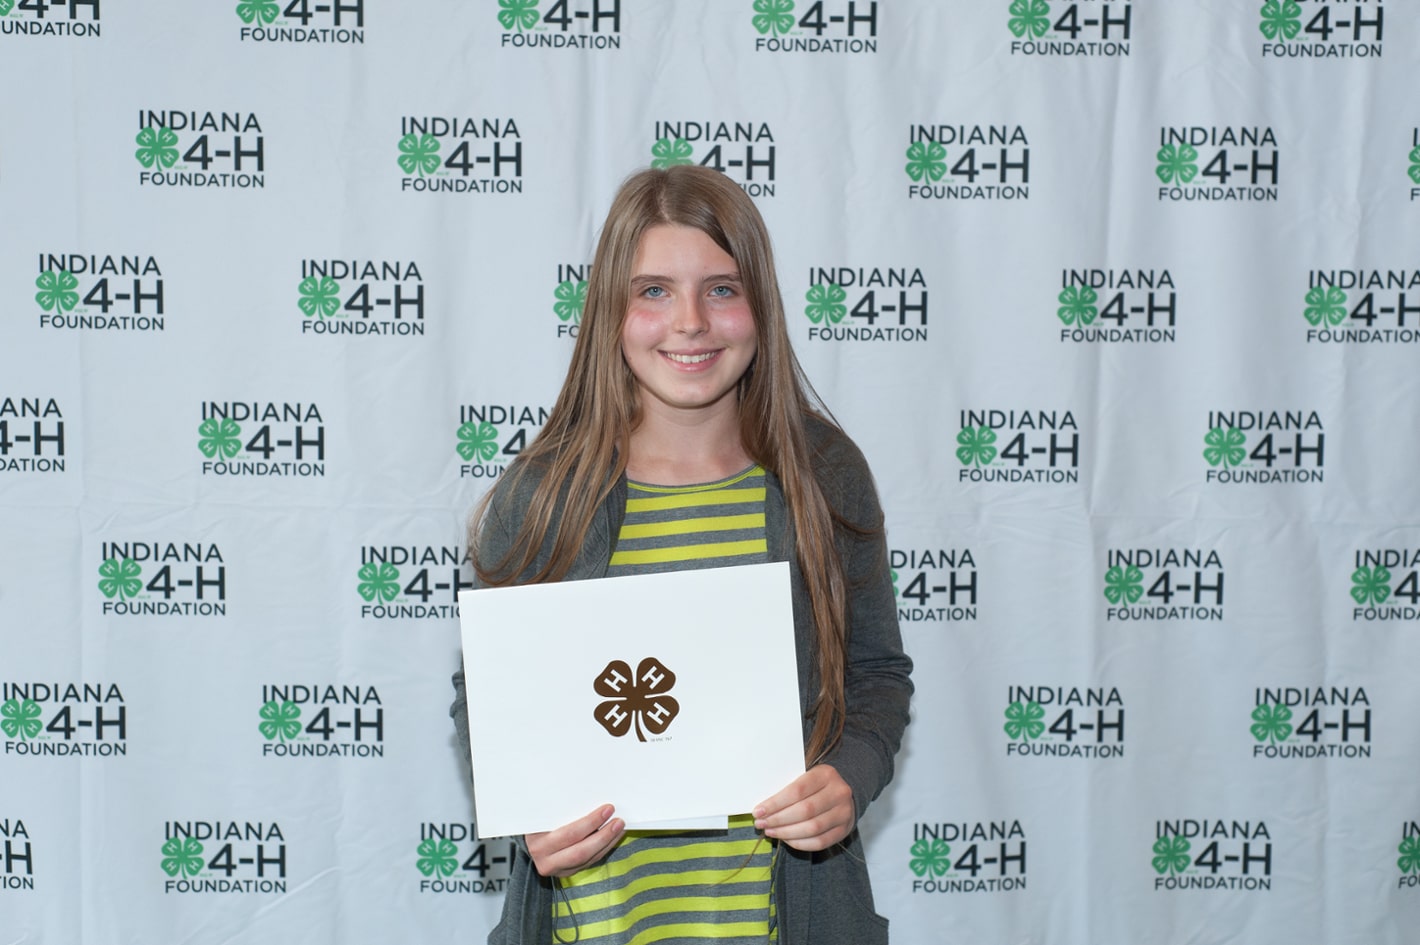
x=582 y=449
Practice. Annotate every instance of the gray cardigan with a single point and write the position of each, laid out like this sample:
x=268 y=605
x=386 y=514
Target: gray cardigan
x=820 y=898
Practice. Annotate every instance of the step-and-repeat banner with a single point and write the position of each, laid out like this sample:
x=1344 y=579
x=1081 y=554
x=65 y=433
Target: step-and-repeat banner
x=1121 y=299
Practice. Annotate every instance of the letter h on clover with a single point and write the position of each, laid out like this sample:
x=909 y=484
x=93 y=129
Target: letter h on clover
x=635 y=700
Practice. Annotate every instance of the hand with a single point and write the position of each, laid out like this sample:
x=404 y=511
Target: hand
x=577 y=845
x=813 y=813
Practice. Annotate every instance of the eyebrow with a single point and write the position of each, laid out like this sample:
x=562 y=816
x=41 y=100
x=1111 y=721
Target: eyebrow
x=646 y=278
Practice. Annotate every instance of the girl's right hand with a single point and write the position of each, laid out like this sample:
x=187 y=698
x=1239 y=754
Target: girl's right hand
x=577 y=845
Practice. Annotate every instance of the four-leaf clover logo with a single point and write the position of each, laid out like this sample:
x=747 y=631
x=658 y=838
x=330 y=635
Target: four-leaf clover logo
x=252 y=10
x=1326 y=303
x=280 y=720
x=926 y=159
x=437 y=856
x=219 y=435
x=1409 y=861
x=1281 y=19
x=1025 y=720
x=1178 y=163
x=1123 y=584
x=826 y=303
x=156 y=146
x=571 y=298
x=1171 y=855
x=773 y=16
x=119 y=577
x=1077 y=304
x=635 y=699
x=6 y=6
x=20 y=718
x=668 y=152
x=478 y=439
x=56 y=290
x=319 y=296
x=182 y=856
x=1224 y=445
x=931 y=856
x=1272 y=722
x=975 y=446
x=1029 y=16
x=378 y=580
x=517 y=14
x=1372 y=586
x=419 y=153
x=1415 y=165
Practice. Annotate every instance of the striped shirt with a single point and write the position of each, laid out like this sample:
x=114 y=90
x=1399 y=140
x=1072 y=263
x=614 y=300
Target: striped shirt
x=661 y=886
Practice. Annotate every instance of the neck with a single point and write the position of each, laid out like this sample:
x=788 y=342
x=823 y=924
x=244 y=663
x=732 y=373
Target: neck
x=670 y=448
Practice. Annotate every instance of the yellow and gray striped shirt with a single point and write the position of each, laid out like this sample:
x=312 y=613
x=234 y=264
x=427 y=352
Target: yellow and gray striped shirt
x=700 y=886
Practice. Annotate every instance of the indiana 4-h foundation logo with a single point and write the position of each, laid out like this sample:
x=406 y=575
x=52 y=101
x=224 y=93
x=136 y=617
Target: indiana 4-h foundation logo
x=636 y=700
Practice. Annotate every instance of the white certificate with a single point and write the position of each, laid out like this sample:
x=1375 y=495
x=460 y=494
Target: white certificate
x=673 y=697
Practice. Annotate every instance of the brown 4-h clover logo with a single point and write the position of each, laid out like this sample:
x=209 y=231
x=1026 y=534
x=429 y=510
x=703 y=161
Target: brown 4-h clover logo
x=635 y=699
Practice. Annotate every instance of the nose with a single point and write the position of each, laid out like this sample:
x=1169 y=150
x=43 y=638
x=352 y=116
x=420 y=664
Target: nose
x=689 y=318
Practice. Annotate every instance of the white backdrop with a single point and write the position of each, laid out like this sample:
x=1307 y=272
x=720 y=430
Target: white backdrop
x=1121 y=300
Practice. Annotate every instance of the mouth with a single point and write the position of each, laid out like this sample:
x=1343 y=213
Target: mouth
x=690 y=358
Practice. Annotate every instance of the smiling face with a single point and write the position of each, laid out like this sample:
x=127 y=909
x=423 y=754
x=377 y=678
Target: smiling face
x=689 y=333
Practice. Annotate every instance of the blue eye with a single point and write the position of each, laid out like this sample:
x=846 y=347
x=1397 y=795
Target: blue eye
x=654 y=292
x=723 y=291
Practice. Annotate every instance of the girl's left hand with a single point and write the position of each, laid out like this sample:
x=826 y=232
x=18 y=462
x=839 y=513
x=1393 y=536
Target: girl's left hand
x=813 y=813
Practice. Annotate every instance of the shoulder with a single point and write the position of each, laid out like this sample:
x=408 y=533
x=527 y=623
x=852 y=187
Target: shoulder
x=842 y=473
x=834 y=455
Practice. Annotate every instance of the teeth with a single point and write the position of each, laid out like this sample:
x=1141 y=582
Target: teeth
x=690 y=358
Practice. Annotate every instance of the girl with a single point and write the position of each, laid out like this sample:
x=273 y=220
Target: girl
x=686 y=435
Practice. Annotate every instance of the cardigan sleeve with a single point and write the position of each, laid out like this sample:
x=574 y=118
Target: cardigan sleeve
x=877 y=677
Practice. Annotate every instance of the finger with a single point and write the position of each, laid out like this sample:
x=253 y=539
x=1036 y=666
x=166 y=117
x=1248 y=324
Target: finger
x=574 y=845
x=801 y=788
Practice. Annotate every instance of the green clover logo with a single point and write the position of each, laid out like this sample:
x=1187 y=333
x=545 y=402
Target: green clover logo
x=1371 y=586
x=1224 y=445
x=379 y=580
x=826 y=303
x=1272 y=722
x=926 y=159
x=571 y=298
x=120 y=577
x=1415 y=165
x=1178 y=163
x=1171 y=855
x=1077 y=304
x=418 y=153
x=1029 y=16
x=933 y=856
x=975 y=447
x=252 y=10
x=478 y=439
x=5 y=7
x=280 y=720
x=219 y=435
x=1024 y=720
x=437 y=856
x=1281 y=19
x=1326 y=303
x=182 y=856
x=773 y=16
x=895 y=592
x=56 y=290
x=667 y=152
x=521 y=14
x=1409 y=861
x=1123 y=584
x=20 y=718
x=156 y=146
x=319 y=296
